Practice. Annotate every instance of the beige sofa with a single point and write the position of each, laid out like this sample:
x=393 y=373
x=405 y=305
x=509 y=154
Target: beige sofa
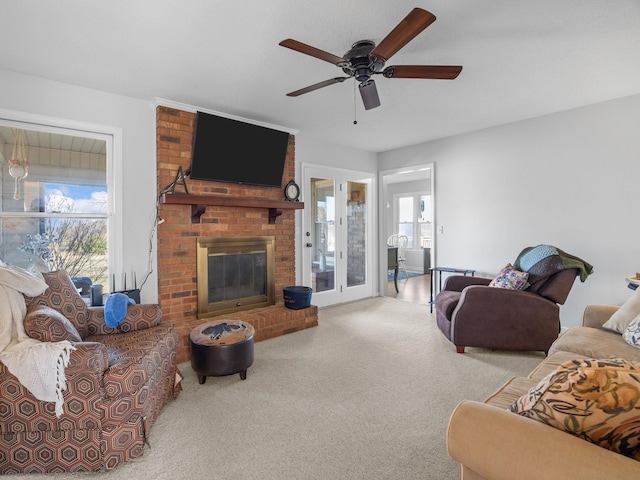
x=490 y=442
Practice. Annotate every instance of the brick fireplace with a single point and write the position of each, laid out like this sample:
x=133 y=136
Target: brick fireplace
x=178 y=234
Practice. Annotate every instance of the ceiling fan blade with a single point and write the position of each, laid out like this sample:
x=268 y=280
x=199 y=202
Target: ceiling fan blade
x=442 y=72
x=414 y=23
x=316 y=86
x=369 y=94
x=313 y=51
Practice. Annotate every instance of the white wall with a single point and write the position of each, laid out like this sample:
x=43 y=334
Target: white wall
x=136 y=119
x=314 y=151
x=569 y=179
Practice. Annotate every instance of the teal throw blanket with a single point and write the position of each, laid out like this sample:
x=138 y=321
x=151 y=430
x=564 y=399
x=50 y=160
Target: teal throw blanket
x=544 y=260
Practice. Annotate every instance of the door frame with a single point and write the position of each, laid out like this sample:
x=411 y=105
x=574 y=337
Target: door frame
x=407 y=174
x=341 y=175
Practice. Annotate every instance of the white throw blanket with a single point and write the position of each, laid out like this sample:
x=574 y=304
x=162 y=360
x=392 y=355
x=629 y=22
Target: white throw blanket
x=39 y=366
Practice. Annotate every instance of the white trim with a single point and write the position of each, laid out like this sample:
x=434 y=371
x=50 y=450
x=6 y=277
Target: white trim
x=193 y=109
x=52 y=215
x=383 y=217
x=57 y=125
x=113 y=138
x=340 y=176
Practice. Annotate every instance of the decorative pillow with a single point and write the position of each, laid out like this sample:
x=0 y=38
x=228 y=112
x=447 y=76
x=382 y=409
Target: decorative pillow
x=48 y=325
x=510 y=278
x=625 y=314
x=596 y=400
x=62 y=295
x=632 y=334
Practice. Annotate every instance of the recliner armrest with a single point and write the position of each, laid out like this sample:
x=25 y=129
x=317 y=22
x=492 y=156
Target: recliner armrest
x=495 y=306
x=484 y=294
x=457 y=283
x=500 y=318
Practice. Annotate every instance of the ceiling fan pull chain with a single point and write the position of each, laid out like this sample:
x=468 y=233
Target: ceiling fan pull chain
x=355 y=121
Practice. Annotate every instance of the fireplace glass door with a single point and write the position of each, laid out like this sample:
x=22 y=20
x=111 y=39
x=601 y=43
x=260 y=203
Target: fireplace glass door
x=234 y=274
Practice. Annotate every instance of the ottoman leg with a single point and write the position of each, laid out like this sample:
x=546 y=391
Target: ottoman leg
x=202 y=379
x=243 y=374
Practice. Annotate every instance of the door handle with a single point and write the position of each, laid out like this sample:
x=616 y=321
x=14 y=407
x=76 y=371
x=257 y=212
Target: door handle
x=309 y=245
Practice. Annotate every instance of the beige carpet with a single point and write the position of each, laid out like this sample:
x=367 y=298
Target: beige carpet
x=365 y=395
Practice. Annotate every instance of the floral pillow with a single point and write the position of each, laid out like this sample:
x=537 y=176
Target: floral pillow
x=632 y=333
x=596 y=400
x=510 y=278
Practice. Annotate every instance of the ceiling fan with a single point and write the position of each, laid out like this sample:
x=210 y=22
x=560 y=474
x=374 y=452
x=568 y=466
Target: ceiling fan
x=366 y=59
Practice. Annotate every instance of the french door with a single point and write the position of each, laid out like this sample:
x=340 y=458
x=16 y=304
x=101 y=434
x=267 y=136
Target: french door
x=338 y=243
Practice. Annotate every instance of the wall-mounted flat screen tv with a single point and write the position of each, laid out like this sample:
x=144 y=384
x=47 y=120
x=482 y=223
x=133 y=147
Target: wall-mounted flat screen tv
x=228 y=150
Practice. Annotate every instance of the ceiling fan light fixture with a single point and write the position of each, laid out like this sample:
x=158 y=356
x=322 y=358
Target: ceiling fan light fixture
x=362 y=74
x=369 y=94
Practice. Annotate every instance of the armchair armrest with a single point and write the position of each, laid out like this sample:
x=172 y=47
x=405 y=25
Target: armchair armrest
x=457 y=283
x=499 y=445
x=139 y=317
x=85 y=385
x=491 y=302
x=88 y=357
x=85 y=373
x=596 y=315
x=496 y=317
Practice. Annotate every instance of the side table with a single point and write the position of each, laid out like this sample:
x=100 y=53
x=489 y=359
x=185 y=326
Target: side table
x=439 y=270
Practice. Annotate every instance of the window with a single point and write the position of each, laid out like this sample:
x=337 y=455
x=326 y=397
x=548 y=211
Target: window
x=406 y=218
x=414 y=219
x=54 y=201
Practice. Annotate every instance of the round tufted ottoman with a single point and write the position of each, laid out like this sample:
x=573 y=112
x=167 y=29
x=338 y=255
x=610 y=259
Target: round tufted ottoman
x=221 y=347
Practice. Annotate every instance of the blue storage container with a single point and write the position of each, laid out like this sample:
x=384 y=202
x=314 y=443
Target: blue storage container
x=297 y=297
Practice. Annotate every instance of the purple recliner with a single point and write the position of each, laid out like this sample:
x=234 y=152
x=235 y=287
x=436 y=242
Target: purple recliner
x=470 y=313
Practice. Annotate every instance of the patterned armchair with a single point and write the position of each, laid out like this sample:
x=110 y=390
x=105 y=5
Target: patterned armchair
x=118 y=380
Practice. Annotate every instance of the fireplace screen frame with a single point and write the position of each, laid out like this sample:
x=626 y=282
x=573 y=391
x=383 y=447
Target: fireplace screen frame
x=207 y=246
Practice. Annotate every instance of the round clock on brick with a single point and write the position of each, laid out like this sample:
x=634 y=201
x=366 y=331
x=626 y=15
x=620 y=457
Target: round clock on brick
x=292 y=191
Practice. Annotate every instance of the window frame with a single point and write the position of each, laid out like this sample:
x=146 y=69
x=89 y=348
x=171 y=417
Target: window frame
x=415 y=245
x=114 y=170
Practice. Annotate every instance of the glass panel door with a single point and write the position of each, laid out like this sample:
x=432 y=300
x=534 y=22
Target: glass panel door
x=356 y=234
x=323 y=234
x=338 y=251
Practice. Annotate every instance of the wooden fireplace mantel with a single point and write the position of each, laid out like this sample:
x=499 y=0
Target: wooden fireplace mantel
x=199 y=204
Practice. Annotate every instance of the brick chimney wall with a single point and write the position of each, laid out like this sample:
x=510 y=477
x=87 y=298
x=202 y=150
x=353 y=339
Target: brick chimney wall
x=177 y=276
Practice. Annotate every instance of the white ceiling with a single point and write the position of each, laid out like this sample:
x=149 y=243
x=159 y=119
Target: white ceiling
x=52 y=141
x=521 y=59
